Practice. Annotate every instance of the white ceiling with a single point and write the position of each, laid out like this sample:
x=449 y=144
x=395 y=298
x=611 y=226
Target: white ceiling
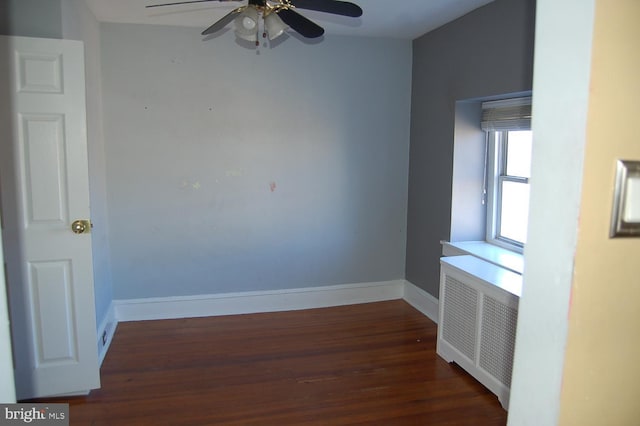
x=406 y=19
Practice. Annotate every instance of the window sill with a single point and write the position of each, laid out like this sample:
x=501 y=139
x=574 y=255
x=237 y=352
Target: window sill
x=488 y=273
x=488 y=252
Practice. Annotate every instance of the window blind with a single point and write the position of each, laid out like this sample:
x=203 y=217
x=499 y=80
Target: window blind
x=506 y=114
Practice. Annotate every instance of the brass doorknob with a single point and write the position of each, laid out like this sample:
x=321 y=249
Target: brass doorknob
x=80 y=226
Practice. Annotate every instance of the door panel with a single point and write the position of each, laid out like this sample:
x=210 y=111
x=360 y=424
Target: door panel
x=43 y=152
x=44 y=185
x=52 y=307
x=39 y=72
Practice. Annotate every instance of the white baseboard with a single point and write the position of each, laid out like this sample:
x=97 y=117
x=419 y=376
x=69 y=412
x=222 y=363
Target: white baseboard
x=257 y=301
x=107 y=329
x=421 y=300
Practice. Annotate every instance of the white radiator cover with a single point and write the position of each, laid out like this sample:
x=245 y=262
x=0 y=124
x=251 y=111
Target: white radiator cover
x=477 y=320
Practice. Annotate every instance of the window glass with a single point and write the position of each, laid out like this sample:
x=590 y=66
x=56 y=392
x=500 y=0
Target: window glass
x=519 y=153
x=514 y=211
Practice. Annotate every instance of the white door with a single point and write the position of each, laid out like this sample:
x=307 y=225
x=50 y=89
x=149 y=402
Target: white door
x=44 y=186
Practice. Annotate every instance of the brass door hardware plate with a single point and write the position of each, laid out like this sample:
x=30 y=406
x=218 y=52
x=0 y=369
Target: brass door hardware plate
x=625 y=220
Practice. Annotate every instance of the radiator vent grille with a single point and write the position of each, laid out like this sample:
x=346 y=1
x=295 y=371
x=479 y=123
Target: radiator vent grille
x=498 y=339
x=460 y=313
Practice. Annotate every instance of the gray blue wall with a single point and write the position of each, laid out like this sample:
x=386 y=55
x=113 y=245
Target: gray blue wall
x=72 y=19
x=234 y=170
x=485 y=53
x=78 y=23
x=190 y=188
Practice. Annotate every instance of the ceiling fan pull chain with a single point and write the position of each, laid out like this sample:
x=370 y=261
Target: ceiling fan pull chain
x=264 y=26
x=257 y=38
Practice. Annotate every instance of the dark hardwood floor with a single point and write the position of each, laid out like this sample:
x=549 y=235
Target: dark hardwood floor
x=371 y=364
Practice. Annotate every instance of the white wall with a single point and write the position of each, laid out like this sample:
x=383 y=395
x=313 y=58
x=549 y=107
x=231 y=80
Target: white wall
x=560 y=101
x=231 y=169
x=468 y=212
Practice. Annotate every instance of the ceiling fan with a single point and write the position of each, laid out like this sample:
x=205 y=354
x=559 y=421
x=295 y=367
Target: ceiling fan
x=277 y=16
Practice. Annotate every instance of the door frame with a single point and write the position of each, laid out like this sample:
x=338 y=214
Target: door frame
x=7 y=385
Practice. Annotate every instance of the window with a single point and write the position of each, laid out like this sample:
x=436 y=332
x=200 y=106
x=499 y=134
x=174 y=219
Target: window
x=508 y=190
x=509 y=144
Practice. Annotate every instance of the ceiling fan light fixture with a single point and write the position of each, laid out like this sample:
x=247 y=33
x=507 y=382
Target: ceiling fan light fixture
x=274 y=25
x=278 y=15
x=247 y=24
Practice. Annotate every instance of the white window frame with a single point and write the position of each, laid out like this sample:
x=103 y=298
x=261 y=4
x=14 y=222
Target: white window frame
x=496 y=174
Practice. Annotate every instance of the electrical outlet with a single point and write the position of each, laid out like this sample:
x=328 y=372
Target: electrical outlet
x=104 y=337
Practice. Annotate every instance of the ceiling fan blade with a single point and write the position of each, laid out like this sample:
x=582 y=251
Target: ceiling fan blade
x=330 y=6
x=222 y=22
x=184 y=2
x=299 y=23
